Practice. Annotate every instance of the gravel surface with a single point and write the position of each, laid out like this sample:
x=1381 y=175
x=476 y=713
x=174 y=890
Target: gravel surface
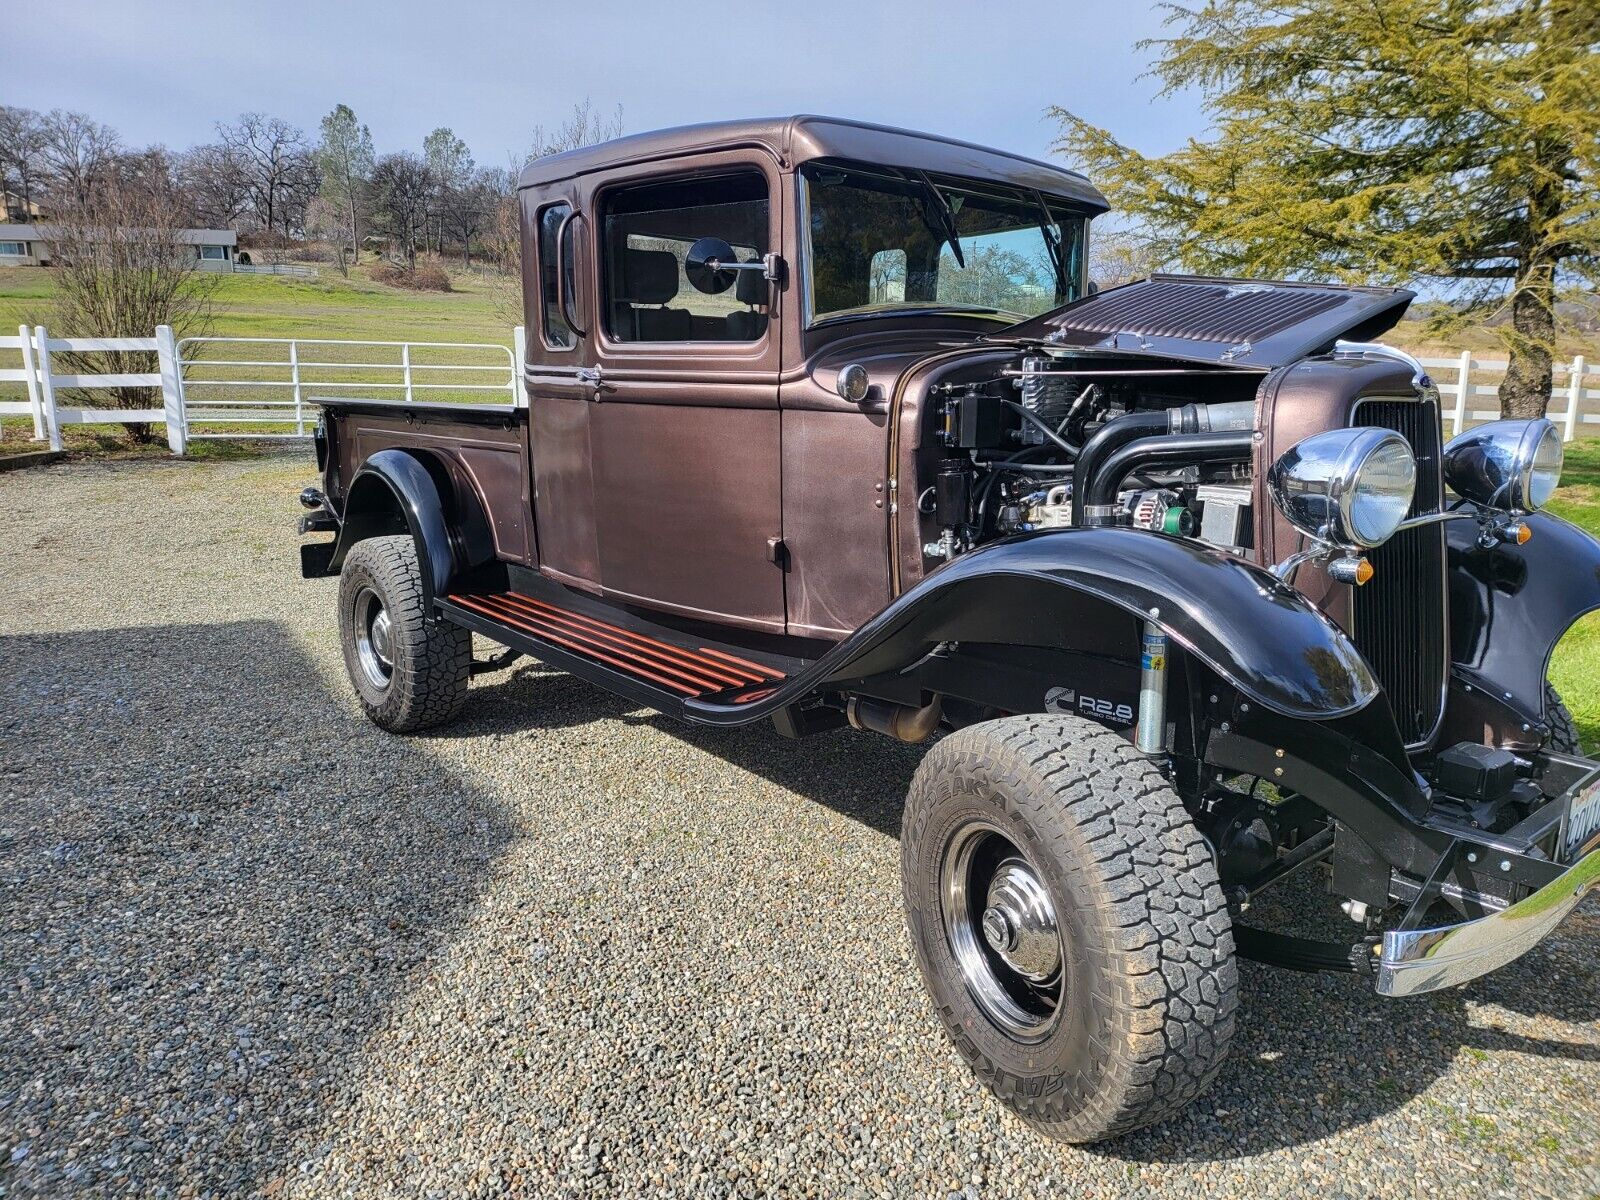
x=251 y=945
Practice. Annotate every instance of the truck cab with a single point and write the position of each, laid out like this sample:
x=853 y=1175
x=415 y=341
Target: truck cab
x=692 y=451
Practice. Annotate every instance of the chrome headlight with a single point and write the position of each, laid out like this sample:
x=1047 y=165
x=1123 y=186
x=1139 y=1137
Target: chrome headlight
x=1351 y=487
x=1510 y=465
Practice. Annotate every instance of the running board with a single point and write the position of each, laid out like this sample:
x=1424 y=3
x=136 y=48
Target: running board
x=663 y=668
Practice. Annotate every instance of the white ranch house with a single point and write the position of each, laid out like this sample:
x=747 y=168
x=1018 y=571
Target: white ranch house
x=29 y=246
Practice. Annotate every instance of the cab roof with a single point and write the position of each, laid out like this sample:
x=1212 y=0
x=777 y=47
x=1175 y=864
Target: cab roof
x=794 y=140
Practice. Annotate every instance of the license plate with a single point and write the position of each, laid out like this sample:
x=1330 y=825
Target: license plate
x=1583 y=820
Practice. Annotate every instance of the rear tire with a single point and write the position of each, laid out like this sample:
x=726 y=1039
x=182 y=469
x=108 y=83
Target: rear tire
x=1563 y=729
x=410 y=671
x=1017 y=827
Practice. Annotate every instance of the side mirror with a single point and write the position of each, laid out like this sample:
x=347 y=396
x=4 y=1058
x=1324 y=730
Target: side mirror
x=711 y=265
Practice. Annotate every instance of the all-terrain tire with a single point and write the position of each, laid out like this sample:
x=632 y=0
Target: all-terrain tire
x=1148 y=1007
x=1563 y=729
x=430 y=661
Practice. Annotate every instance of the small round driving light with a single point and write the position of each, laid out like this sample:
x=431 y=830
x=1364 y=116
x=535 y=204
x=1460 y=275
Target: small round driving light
x=853 y=383
x=1353 y=569
x=1513 y=466
x=1351 y=487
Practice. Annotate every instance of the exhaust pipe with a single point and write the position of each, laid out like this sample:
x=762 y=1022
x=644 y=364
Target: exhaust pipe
x=899 y=721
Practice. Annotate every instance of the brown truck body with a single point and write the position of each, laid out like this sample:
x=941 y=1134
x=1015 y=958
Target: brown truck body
x=826 y=425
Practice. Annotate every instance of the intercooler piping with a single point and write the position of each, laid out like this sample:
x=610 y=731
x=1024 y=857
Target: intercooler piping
x=899 y=721
x=1195 y=433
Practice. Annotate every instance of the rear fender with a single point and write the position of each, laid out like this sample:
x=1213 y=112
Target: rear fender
x=402 y=491
x=1509 y=606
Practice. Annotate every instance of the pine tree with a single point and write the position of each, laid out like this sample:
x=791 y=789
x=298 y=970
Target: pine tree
x=1370 y=140
x=344 y=158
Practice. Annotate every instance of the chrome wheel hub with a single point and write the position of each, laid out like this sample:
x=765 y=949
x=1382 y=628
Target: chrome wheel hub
x=1000 y=925
x=1020 y=923
x=374 y=638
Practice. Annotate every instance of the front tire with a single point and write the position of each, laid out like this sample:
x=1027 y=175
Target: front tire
x=410 y=671
x=1563 y=729
x=1069 y=923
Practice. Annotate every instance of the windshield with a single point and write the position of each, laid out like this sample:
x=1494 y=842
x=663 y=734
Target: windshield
x=885 y=240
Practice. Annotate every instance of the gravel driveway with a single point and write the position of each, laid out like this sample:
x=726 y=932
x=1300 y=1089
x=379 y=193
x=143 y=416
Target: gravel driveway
x=250 y=944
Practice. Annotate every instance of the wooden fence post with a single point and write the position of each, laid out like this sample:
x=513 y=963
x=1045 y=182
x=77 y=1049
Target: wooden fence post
x=171 y=368
x=1574 y=398
x=47 y=387
x=31 y=370
x=519 y=356
x=1463 y=386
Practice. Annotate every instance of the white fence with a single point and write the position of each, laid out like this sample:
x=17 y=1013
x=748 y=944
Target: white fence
x=42 y=381
x=1461 y=387
x=250 y=387
x=266 y=381
x=298 y=272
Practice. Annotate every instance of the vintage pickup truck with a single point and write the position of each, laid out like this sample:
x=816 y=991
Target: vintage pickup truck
x=825 y=426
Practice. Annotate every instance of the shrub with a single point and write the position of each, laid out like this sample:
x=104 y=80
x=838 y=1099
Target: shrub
x=424 y=277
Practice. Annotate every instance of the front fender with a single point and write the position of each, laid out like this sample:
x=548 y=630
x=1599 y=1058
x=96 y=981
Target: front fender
x=1510 y=604
x=1259 y=635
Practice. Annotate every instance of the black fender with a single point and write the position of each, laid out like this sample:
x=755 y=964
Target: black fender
x=1077 y=586
x=395 y=487
x=1510 y=604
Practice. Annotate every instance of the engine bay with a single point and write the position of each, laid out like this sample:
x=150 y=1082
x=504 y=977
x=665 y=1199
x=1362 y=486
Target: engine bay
x=1054 y=440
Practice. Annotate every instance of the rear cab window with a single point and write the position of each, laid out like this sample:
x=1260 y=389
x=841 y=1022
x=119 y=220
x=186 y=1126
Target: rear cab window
x=555 y=261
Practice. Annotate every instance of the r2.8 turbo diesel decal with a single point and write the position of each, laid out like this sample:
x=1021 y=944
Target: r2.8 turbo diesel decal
x=1070 y=700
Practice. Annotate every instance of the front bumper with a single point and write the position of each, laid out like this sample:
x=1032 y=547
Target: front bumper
x=1425 y=960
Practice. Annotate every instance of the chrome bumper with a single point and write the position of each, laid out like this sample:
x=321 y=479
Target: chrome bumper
x=1425 y=960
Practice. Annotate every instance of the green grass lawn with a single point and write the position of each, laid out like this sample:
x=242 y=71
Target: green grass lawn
x=329 y=306
x=1576 y=668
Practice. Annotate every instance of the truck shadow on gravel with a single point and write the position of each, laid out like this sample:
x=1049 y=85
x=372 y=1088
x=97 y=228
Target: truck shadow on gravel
x=1313 y=1056
x=861 y=776
x=216 y=883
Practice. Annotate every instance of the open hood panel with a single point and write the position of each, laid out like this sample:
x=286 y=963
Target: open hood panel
x=1226 y=322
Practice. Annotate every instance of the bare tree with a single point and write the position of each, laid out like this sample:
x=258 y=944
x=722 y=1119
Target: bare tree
x=21 y=162
x=471 y=209
x=583 y=127
x=277 y=165
x=74 y=152
x=450 y=166
x=402 y=191
x=328 y=218
x=122 y=267
x=1119 y=256
x=216 y=178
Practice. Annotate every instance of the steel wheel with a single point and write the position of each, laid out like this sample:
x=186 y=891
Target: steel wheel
x=1001 y=926
x=374 y=638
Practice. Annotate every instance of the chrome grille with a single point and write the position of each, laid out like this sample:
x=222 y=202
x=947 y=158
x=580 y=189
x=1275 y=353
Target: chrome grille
x=1399 y=617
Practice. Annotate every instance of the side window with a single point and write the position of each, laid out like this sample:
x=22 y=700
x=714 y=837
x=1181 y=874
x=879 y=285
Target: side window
x=647 y=232
x=553 y=258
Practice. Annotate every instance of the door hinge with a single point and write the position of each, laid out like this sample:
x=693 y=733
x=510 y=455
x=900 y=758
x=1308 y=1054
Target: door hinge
x=778 y=553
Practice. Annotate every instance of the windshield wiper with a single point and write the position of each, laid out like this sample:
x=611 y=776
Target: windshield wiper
x=947 y=217
x=1052 y=241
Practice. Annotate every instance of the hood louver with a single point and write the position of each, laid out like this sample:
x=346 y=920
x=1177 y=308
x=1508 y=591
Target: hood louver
x=1226 y=322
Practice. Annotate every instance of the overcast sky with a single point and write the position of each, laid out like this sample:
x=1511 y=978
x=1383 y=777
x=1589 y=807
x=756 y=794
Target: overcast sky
x=166 y=72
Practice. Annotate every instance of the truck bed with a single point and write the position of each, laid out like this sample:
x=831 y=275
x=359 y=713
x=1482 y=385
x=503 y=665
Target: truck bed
x=483 y=448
